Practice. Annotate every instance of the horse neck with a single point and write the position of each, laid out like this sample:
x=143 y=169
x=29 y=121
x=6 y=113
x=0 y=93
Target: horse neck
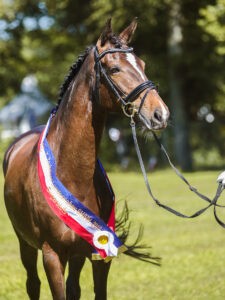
x=76 y=131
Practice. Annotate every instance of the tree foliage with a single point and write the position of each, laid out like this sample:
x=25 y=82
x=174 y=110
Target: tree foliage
x=45 y=37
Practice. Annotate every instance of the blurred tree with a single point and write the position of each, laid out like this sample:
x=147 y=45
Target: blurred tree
x=175 y=55
x=212 y=22
x=171 y=42
x=39 y=37
x=203 y=72
x=45 y=37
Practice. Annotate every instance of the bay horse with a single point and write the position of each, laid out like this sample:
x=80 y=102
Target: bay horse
x=105 y=78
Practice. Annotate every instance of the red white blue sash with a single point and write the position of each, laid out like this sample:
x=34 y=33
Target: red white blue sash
x=71 y=211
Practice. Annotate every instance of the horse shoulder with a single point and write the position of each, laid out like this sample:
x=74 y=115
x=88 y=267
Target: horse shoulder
x=29 y=212
x=22 y=145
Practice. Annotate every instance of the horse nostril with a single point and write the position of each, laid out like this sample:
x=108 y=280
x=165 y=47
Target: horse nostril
x=157 y=115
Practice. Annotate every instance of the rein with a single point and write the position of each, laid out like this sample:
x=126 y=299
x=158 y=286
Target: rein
x=130 y=111
x=212 y=202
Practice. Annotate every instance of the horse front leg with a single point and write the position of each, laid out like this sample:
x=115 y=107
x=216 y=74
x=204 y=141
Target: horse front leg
x=73 y=290
x=54 y=267
x=100 y=275
x=29 y=256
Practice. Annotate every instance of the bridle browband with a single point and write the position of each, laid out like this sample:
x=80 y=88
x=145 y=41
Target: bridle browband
x=125 y=100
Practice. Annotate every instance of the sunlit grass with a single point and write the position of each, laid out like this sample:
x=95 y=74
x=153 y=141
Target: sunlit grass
x=192 y=251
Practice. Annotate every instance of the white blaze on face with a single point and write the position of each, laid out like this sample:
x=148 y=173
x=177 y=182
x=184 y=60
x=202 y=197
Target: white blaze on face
x=164 y=110
x=131 y=59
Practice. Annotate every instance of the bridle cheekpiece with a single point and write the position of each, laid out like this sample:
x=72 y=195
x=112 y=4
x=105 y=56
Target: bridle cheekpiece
x=125 y=100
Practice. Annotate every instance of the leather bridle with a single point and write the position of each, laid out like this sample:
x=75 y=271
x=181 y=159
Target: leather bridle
x=129 y=110
x=125 y=100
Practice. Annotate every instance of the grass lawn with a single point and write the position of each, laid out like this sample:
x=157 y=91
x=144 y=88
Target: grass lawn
x=192 y=251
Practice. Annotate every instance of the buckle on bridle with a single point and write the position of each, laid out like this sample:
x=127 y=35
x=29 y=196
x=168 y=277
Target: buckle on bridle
x=126 y=100
x=129 y=109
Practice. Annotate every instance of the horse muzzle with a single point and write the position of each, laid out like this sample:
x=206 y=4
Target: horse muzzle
x=157 y=120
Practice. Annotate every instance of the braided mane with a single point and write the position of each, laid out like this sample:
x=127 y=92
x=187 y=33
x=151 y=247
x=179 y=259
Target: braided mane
x=74 y=69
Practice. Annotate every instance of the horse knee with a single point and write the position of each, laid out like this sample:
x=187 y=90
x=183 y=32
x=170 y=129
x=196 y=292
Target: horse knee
x=33 y=287
x=54 y=266
x=100 y=275
x=28 y=256
x=73 y=290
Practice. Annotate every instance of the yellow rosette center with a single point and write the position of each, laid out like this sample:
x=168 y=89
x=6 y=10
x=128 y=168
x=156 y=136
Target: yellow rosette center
x=103 y=239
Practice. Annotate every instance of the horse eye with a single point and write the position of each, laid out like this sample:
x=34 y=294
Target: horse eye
x=114 y=70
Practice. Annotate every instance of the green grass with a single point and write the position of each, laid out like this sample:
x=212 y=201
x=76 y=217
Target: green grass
x=192 y=251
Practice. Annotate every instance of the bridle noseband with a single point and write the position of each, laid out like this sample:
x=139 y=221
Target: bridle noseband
x=125 y=100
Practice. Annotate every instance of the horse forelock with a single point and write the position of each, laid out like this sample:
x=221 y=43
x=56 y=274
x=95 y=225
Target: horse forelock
x=116 y=41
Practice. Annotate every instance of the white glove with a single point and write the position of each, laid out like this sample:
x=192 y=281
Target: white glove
x=221 y=179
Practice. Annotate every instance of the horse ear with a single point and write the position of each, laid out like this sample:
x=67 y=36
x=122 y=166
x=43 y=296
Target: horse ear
x=106 y=34
x=127 y=33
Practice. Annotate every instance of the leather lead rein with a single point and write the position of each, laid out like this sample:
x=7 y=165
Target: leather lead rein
x=129 y=111
x=212 y=202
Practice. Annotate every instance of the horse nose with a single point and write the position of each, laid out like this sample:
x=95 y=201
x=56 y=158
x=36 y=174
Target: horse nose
x=157 y=116
x=160 y=117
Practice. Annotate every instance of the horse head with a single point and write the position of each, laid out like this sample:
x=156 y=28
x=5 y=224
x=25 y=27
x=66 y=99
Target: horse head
x=120 y=77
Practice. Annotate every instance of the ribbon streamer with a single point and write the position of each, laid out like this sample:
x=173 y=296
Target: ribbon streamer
x=71 y=211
